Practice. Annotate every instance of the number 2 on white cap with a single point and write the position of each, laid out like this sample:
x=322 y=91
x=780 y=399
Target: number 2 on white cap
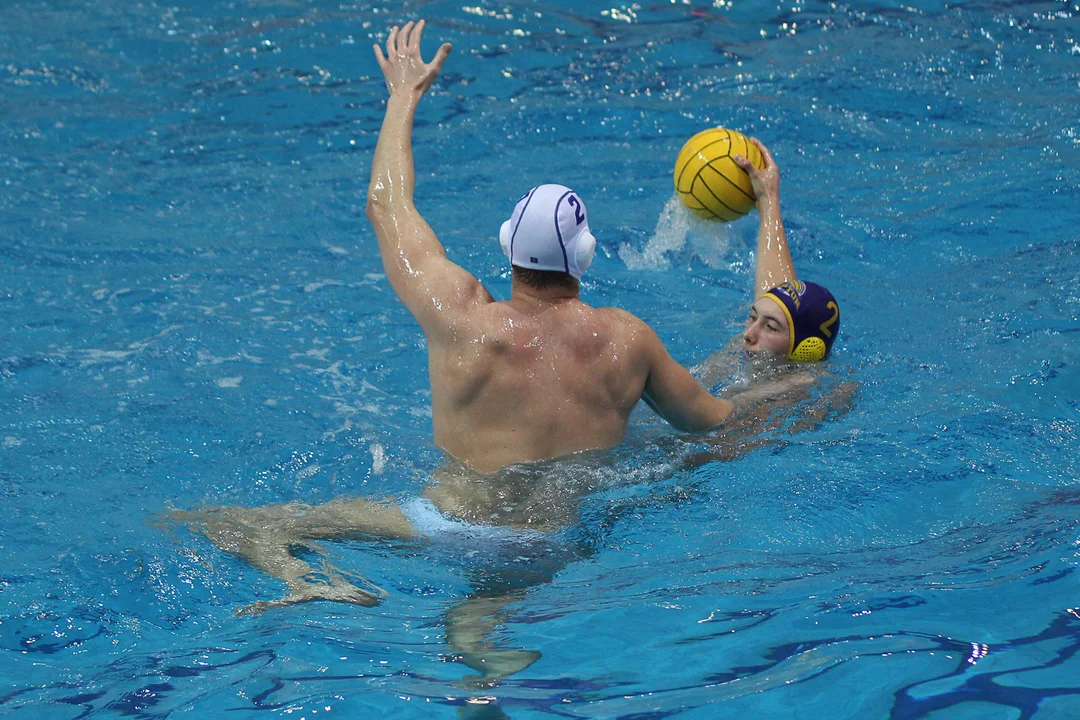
x=579 y=213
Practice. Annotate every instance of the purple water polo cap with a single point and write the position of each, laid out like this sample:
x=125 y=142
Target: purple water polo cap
x=813 y=319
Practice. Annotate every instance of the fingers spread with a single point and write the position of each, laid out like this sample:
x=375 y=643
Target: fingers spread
x=414 y=37
x=440 y=56
x=391 y=42
x=404 y=38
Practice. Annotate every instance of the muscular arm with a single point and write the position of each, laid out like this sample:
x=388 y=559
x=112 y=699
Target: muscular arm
x=675 y=394
x=774 y=265
x=430 y=286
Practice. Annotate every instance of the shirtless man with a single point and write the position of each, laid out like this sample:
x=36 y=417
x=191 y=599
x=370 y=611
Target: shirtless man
x=542 y=374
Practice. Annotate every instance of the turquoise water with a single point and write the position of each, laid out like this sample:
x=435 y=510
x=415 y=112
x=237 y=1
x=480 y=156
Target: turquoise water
x=193 y=311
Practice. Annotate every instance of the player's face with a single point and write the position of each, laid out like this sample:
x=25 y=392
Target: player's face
x=766 y=328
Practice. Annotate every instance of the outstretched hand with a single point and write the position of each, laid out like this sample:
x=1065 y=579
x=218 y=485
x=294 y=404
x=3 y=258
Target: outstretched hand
x=405 y=71
x=766 y=181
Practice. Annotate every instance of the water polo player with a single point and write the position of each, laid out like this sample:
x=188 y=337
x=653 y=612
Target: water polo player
x=793 y=320
x=542 y=374
x=537 y=377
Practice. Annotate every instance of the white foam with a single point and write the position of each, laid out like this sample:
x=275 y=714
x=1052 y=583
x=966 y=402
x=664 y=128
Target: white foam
x=378 y=459
x=312 y=287
x=205 y=358
x=309 y=471
x=94 y=356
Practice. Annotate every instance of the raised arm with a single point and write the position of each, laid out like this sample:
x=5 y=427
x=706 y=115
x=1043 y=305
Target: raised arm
x=773 y=264
x=430 y=286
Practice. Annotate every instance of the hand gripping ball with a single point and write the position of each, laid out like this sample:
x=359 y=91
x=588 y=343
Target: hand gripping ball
x=708 y=180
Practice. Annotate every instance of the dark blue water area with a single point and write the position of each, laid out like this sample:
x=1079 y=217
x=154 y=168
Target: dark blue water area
x=193 y=312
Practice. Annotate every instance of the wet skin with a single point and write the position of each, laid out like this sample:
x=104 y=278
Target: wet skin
x=766 y=328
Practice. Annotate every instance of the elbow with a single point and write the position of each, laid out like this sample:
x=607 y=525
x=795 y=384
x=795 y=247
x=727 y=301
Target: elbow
x=380 y=195
x=724 y=411
x=377 y=203
x=692 y=424
x=704 y=413
x=384 y=201
x=715 y=415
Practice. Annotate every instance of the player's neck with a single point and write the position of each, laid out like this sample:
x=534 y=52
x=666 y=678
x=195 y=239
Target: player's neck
x=522 y=294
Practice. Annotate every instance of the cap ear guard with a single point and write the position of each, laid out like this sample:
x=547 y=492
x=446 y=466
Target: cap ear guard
x=812 y=349
x=586 y=249
x=505 y=234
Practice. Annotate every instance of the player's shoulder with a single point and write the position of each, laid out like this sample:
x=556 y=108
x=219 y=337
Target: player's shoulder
x=619 y=317
x=623 y=322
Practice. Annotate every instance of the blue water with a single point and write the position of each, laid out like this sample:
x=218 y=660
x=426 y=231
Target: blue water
x=193 y=312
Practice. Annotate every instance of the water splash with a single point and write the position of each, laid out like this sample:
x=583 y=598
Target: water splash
x=680 y=236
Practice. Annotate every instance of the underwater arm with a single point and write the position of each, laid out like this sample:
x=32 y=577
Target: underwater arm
x=414 y=259
x=785 y=390
x=836 y=403
x=773 y=265
x=755 y=419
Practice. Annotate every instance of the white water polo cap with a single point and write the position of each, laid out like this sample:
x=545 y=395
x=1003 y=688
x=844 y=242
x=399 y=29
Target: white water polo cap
x=549 y=230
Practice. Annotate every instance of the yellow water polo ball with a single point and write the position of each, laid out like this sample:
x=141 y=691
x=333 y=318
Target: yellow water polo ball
x=708 y=180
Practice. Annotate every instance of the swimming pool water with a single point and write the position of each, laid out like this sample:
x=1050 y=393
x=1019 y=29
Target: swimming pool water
x=193 y=311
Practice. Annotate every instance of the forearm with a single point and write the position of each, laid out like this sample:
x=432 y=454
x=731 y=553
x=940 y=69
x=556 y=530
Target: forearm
x=393 y=177
x=704 y=412
x=774 y=265
x=718 y=412
x=404 y=237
